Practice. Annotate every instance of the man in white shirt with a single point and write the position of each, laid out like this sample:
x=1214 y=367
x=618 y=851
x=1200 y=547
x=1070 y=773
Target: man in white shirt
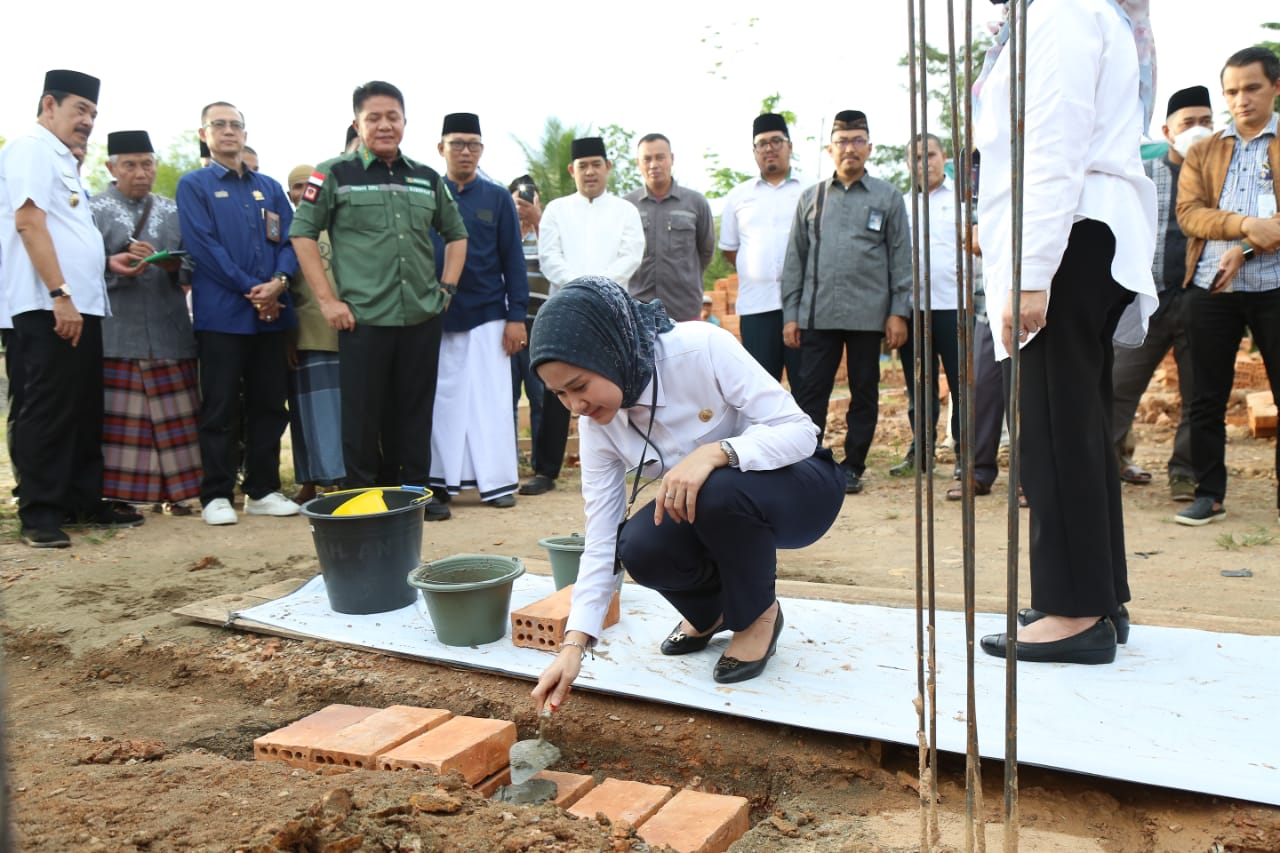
x=940 y=197
x=588 y=233
x=52 y=278
x=754 y=228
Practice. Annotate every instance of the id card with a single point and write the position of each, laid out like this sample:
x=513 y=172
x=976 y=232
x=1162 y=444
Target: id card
x=1266 y=204
x=273 y=226
x=875 y=219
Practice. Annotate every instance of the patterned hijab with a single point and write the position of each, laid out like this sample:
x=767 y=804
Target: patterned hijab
x=593 y=323
x=1137 y=14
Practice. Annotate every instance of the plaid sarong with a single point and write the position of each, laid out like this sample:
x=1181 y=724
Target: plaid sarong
x=150 y=439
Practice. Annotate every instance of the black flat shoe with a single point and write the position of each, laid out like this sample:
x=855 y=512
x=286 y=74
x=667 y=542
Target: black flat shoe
x=730 y=670
x=1120 y=619
x=1093 y=645
x=680 y=643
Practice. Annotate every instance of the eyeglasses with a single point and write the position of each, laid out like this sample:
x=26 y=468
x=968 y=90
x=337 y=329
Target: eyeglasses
x=766 y=144
x=223 y=124
x=458 y=146
x=856 y=142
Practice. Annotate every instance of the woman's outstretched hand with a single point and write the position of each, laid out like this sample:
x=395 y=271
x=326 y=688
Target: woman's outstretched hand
x=557 y=680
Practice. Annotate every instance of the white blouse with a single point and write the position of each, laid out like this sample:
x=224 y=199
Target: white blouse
x=1082 y=158
x=709 y=389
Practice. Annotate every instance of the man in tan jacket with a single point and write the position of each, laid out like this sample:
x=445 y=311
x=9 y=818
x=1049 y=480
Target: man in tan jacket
x=1227 y=204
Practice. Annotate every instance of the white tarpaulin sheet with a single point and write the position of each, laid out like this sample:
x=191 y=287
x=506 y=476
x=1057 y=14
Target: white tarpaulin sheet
x=1185 y=709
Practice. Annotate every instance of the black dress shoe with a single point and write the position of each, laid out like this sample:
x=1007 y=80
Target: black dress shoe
x=1093 y=645
x=1120 y=619
x=730 y=670
x=538 y=484
x=680 y=643
x=437 y=511
x=852 y=482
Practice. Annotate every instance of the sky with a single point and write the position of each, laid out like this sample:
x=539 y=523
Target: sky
x=695 y=71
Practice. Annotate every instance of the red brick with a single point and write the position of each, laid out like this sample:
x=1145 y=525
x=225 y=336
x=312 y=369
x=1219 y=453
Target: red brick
x=292 y=744
x=570 y=787
x=634 y=802
x=541 y=625
x=1262 y=414
x=694 y=822
x=489 y=786
x=360 y=744
x=473 y=746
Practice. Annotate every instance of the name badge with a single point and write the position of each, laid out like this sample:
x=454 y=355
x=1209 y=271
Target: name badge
x=221 y=194
x=875 y=219
x=273 y=226
x=258 y=196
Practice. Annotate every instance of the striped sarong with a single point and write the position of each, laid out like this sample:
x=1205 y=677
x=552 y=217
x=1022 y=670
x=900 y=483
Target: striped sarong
x=315 y=419
x=150 y=439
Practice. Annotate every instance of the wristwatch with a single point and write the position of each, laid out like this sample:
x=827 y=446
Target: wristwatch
x=284 y=278
x=1246 y=249
x=60 y=291
x=730 y=452
x=451 y=289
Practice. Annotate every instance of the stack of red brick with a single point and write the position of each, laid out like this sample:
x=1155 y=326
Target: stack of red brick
x=407 y=738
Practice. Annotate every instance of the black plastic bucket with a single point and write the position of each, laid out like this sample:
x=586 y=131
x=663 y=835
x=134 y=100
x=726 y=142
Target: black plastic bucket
x=366 y=558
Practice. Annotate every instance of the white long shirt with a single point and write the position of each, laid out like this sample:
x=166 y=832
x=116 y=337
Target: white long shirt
x=756 y=223
x=580 y=236
x=1082 y=158
x=709 y=389
x=941 y=240
x=39 y=168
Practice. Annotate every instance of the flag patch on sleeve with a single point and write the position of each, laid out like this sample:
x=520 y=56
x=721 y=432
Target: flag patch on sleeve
x=312 y=192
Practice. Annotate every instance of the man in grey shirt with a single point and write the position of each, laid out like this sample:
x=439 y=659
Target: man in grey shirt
x=679 y=234
x=846 y=283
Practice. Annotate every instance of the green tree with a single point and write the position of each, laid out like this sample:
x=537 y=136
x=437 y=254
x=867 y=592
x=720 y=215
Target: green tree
x=625 y=175
x=182 y=156
x=548 y=161
x=891 y=160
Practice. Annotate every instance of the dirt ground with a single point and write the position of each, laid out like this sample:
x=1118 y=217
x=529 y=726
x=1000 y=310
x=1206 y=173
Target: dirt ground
x=131 y=729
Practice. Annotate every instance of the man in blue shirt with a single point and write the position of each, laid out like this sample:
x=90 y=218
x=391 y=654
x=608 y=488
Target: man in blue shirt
x=235 y=223
x=473 y=442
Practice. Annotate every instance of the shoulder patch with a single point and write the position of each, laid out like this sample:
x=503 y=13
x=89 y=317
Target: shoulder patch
x=311 y=193
x=317 y=178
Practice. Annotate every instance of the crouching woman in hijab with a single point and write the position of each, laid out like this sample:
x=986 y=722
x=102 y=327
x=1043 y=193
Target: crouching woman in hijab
x=735 y=465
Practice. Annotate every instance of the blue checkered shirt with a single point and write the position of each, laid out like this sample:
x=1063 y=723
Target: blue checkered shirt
x=1245 y=180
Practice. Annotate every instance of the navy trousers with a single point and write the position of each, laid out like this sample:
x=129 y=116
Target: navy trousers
x=725 y=563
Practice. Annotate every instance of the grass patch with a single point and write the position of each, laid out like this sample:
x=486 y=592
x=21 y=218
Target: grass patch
x=1235 y=541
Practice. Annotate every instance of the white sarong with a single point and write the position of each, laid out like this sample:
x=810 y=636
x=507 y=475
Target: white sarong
x=473 y=440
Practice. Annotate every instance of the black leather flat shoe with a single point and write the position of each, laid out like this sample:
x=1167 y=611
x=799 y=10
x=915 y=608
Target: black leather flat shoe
x=1120 y=619
x=680 y=643
x=730 y=670
x=1091 y=646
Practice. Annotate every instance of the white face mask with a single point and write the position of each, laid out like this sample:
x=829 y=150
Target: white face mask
x=1183 y=141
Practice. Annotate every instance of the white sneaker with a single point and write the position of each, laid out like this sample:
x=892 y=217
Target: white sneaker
x=272 y=504
x=219 y=511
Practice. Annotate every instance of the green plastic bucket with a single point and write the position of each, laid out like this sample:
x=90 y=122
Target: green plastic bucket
x=364 y=558
x=468 y=596
x=565 y=553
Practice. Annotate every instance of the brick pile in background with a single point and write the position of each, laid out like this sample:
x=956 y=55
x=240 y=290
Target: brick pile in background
x=340 y=738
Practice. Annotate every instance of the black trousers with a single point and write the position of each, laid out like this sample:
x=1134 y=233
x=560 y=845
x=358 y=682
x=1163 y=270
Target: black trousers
x=1166 y=328
x=725 y=563
x=249 y=374
x=989 y=407
x=946 y=348
x=762 y=337
x=819 y=361
x=1069 y=469
x=388 y=379
x=16 y=377
x=57 y=437
x=1217 y=324
x=552 y=436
